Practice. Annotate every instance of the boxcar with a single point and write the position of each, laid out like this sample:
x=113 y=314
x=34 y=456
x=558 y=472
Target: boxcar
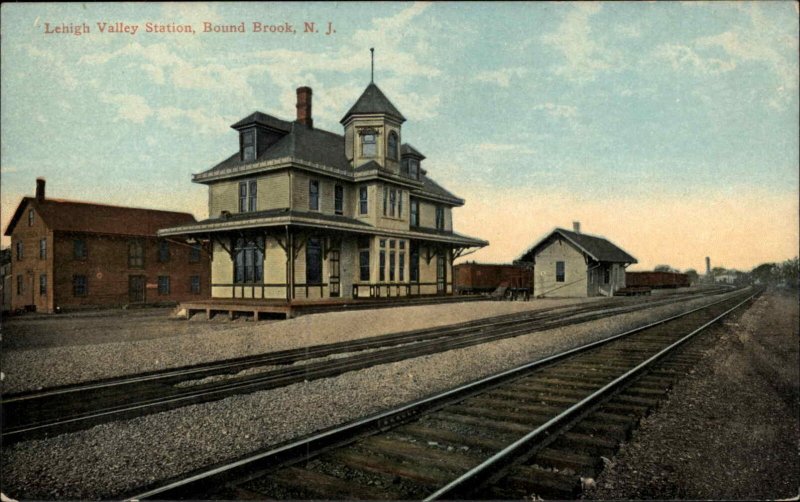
x=473 y=278
x=656 y=280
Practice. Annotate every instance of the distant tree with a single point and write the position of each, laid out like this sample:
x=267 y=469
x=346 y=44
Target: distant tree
x=693 y=276
x=766 y=273
x=718 y=271
x=789 y=273
x=664 y=268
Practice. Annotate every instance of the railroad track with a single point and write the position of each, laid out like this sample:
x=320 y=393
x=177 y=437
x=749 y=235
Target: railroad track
x=534 y=430
x=73 y=408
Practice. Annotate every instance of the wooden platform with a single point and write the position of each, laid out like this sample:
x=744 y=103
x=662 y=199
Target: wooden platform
x=259 y=308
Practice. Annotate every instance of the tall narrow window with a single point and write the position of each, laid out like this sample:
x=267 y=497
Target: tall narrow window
x=20 y=251
x=382 y=265
x=560 y=274
x=43 y=284
x=30 y=217
x=439 y=218
x=42 y=249
x=338 y=199
x=194 y=253
x=606 y=275
x=404 y=167
x=414 y=213
x=391 y=265
x=80 y=286
x=248 y=145
x=369 y=144
x=399 y=203
x=252 y=195
x=248 y=196
x=194 y=284
x=163 y=251
x=313 y=261
x=392 y=144
x=313 y=195
x=385 y=200
x=363 y=265
x=402 y=264
x=413 y=264
x=248 y=265
x=413 y=168
x=362 y=200
x=163 y=285
x=392 y=201
x=79 y=251
x=135 y=254
x=20 y=284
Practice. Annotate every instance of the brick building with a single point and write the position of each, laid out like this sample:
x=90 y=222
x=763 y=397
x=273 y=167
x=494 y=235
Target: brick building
x=297 y=212
x=69 y=254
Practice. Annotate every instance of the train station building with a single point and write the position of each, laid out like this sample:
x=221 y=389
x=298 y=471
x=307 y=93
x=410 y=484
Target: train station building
x=300 y=213
x=574 y=264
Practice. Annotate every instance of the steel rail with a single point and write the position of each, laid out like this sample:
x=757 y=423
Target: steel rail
x=480 y=473
x=306 y=372
x=346 y=433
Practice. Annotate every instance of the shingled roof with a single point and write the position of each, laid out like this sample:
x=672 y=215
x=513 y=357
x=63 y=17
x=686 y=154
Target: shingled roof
x=597 y=248
x=373 y=100
x=265 y=120
x=87 y=217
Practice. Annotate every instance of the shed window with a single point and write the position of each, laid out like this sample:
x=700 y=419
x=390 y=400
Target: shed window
x=79 y=250
x=135 y=254
x=194 y=284
x=362 y=200
x=392 y=145
x=80 y=286
x=163 y=251
x=248 y=267
x=606 y=275
x=163 y=285
x=20 y=284
x=43 y=284
x=338 y=199
x=42 y=249
x=248 y=145
x=313 y=261
x=560 y=271
x=20 y=251
x=30 y=217
x=369 y=145
x=313 y=195
x=194 y=253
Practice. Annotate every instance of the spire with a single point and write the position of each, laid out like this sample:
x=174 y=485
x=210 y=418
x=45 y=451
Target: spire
x=372 y=65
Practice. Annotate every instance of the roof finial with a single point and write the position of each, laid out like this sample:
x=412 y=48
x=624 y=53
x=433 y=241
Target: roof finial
x=372 y=65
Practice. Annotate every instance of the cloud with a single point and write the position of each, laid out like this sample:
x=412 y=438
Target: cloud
x=584 y=56
x=682 y=57
x=202 y=120
x=55 y=64
x=130 y=107
x=501 y=77
x=558 y=111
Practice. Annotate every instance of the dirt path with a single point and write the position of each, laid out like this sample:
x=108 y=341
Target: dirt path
x=730 y=430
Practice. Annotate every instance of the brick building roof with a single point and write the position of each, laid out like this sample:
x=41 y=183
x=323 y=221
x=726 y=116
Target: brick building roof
x=74 y=216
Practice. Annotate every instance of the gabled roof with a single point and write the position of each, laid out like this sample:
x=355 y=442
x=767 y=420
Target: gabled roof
x=373 y=100
x=407 y=149
x=597 y=248
x=74 y=216
x=265 y=120
x=302 y=142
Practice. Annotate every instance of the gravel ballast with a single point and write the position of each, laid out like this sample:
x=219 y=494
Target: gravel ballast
x=730 y=430
x=112 y=459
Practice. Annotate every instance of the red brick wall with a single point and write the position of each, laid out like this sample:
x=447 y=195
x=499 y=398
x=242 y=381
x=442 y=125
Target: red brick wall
x=107 y=271
x=31 y=266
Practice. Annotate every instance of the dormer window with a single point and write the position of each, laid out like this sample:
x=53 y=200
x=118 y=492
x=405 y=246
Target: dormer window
x=369 y=145
x=392 y=146
x=413 y=168
x=248 y=145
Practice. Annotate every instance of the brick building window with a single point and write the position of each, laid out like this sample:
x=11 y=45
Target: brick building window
x=313 y=195
x=43 y=284
x=163 y=251
x=194 y=253
x=20 y=251
x=42 y=249
x=163 y=285
x=313 y=261
x=80 y=285
x=194 y=284
x=560 y=273
x=248 y=196
x=79 y=250
x=20 y=284
x=135 y=254
x=248 y=267
x=338 y=199
x=30 y=217
x=362 y=200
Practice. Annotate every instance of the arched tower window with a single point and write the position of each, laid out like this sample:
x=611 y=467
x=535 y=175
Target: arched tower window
x=392 y=146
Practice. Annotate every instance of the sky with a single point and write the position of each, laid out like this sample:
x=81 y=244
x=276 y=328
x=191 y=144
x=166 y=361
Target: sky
x=669 y=128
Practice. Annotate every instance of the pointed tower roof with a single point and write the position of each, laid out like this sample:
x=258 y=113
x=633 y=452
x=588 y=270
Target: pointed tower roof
x=373 y=100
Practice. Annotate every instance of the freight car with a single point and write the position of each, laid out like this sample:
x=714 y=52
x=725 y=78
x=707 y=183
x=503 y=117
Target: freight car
x=656 y=280
x=511 y=281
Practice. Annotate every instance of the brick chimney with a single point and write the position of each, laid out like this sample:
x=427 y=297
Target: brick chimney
x=576 y=227
x=304 y=106
x=39 y=189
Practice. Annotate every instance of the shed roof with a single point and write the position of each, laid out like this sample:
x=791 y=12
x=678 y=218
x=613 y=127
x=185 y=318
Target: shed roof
x=75 y=216
x=597 y=248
